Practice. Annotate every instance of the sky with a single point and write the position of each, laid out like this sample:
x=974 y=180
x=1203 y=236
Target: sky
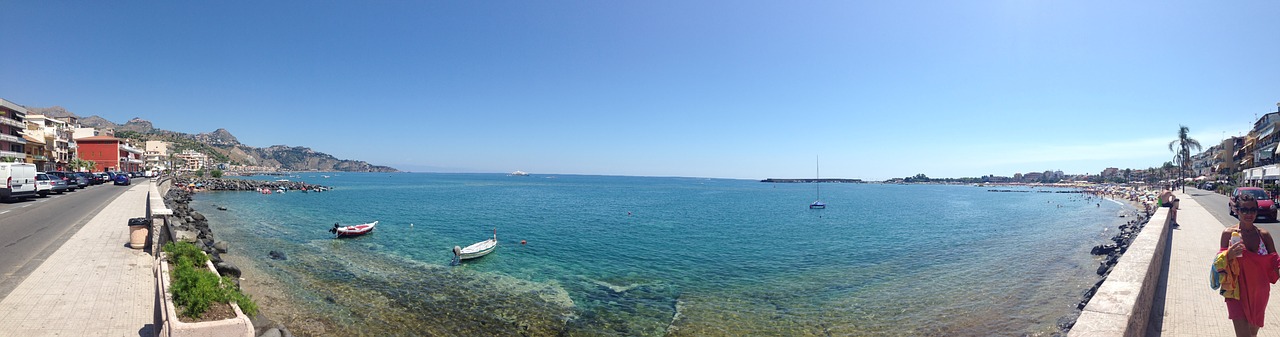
x=724 y=89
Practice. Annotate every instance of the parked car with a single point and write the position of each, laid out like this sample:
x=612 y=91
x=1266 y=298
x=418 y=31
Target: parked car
x=46 y=184
x=100 y=177
x=66 y=179
x=1266 y=205
x=122 y=179
x=17 y=180
x=82 y=179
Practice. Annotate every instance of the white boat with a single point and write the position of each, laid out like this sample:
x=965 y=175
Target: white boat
x=477 y=249
x=817 y=184
x=356 y=230
x=520 y=174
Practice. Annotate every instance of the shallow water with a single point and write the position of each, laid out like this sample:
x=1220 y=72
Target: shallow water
x=636 y=256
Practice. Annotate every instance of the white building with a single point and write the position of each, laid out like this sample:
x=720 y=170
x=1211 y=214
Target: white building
x=157 y=155
x=192 y=160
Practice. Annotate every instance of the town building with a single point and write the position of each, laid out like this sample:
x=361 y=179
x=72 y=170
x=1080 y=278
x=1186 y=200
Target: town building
x=110 y=154
x=38 y=153
x=192 y=160
x=56 y=136
x=12 y=123
x=156 y=155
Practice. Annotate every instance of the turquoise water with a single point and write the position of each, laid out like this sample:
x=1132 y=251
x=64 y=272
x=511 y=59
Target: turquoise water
x=648 y=256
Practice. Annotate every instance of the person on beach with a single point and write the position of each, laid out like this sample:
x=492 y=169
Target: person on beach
x=1253 y=268
x=1167 y=199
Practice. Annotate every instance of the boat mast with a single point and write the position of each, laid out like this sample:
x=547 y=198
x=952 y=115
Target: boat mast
x=817 y=174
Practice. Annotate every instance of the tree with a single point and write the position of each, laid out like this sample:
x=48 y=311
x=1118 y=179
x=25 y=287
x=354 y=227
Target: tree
x=216 y=173
x=200 y=173
x=1181 y=149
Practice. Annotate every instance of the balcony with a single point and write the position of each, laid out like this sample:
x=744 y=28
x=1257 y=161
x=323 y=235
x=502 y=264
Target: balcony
x=12 y=138
x=18 y=155
x=13 y=122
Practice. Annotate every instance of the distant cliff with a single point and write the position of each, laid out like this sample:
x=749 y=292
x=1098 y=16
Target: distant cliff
x=222 y=145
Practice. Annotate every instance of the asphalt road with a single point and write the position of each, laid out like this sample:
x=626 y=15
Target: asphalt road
x=1216 y=204
x=32 y=229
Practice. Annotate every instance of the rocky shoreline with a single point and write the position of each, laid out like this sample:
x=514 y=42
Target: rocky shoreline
x=223 y=184
x=1112 y=252
x=189 y=225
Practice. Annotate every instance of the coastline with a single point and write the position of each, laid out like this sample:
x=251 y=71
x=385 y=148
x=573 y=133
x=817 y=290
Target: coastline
x=312 y=311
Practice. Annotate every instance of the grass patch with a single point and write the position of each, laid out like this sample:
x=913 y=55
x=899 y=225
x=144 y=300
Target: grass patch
x=195 y=287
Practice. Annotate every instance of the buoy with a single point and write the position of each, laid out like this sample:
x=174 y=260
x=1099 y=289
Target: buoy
x=522 y=242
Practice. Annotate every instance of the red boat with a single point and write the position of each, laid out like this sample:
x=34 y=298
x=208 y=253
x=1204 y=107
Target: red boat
x=356 y=230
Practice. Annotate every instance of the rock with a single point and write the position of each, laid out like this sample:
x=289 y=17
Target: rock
x=221 y=246
x=285 y=332
x=272 y=332
x=1104 y=249
x=185 y=236
x=277 y=255
x=227 y=269
x=220 y=208
x=197 y=216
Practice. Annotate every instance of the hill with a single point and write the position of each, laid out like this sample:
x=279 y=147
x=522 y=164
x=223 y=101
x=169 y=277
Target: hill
x=222 y=146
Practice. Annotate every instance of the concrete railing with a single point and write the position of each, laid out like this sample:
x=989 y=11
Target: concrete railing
x=1122 y=304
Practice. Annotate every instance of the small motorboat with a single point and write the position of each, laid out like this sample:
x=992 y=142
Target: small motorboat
x=476 y=250
x=356 y=230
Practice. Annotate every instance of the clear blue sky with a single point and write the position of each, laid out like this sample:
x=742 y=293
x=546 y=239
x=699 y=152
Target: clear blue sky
x=734 y=89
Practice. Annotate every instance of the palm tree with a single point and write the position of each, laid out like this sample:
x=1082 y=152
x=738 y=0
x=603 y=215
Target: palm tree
x=1181 y=149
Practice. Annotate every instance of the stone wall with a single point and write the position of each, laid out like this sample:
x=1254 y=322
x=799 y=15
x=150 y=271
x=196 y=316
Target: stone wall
x=1122 y=304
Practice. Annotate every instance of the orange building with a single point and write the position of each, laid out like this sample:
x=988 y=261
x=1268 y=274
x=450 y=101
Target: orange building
x=110 y=154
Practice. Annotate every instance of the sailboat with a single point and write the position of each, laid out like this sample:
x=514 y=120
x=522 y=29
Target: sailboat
x=817 y=185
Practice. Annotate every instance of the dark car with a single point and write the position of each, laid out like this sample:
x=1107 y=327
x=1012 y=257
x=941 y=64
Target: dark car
x=67 y=178
x=100 y=177
x=82 y=179
x=122 y=179
x=1266 y=206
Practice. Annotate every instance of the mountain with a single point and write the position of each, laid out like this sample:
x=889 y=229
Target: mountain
x=222 y=145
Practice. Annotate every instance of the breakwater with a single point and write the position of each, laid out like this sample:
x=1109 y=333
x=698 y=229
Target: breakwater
x=222 y=184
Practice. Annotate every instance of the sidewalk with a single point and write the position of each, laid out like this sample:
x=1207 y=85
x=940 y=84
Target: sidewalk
x=1191 y=308
x=94 y=285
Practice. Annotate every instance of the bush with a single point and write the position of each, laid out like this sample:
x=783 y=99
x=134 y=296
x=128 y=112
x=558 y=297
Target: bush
x=216 y=174
x=195 y=287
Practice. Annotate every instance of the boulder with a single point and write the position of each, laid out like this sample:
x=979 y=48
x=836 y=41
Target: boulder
x=272 y=332
x=227 y=269
x=277 y=255
x=185 y=236
x=221 y=246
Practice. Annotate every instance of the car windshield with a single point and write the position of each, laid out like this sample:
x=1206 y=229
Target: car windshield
x=42 y=177
x=1257 y=194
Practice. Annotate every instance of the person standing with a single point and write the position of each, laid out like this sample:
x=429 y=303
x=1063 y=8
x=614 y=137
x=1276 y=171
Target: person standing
x=1253 y=268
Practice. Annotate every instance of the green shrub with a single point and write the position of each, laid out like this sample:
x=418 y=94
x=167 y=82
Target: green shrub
x=216 y=173
x=195 y=287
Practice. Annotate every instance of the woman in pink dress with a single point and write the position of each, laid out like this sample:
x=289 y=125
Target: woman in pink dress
x=1257 y=265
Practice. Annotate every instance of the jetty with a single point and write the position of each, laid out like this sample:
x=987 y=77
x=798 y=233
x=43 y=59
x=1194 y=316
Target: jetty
x=223 y=184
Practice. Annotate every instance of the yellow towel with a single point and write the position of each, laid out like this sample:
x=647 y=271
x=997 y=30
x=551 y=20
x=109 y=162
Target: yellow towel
x=1228 y=274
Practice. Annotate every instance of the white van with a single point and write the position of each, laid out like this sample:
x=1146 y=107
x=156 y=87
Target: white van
x=17 y=180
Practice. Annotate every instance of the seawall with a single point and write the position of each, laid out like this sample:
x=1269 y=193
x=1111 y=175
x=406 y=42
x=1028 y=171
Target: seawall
x=1122 y=304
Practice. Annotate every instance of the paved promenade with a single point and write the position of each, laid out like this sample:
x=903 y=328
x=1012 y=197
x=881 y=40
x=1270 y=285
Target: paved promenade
x=94 y=285
x=1191 y=308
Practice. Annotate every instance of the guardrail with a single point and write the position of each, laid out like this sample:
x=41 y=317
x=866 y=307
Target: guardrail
x=1122 y=305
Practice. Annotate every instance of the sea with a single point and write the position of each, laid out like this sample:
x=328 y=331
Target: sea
x=583 y=255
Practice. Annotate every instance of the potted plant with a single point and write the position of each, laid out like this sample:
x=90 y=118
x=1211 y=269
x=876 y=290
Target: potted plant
x=198 y=302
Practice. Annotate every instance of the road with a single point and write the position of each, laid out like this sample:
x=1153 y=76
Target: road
x=36 y=227
x=1216 y=204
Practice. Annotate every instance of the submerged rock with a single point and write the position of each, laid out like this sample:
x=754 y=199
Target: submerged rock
x=277 y=255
